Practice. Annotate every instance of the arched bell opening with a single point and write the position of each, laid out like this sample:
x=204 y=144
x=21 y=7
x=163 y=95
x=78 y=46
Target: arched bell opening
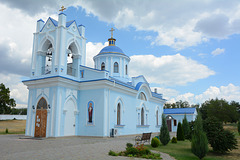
x=72 y=59
x=46 y=58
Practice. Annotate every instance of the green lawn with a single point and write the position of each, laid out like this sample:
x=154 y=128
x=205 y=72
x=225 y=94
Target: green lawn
x=182 y=151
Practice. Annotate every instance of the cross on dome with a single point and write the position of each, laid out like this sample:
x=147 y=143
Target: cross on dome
x=62 y=9
x=112 y=32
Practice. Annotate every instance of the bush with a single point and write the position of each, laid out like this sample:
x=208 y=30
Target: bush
x=221 y=140
x=174 y=140
x=164 y=133
x=180 y=134
x=6 y=131
x=155 y=142
x=131 y=150
x=129 y=145
x=112 y=153
x=199 y=145
x=186 y=127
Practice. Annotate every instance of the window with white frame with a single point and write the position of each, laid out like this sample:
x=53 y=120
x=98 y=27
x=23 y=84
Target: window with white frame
x=115 y=66
x=142 y=116
x=103 y=66
x=118 y=114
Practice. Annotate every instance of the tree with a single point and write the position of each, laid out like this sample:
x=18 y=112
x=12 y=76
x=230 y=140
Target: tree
x=186 y=127
x=164 y=133
x=180 y=134
x=199 y=144
x=239 y=126
x=220 y=109
x=221 y=140
x=6 y=103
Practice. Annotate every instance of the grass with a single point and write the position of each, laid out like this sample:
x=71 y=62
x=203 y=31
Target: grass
x=182 y=149
x=13 y=126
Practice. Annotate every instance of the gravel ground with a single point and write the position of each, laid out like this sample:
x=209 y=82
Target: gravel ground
x=18 y=147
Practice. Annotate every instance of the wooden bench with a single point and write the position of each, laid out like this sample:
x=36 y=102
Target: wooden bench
x=146 y=137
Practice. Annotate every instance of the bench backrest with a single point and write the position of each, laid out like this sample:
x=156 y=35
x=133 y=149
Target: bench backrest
x=146 y=136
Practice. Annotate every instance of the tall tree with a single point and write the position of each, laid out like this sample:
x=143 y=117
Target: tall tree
x=180 y=134
x=239 y=126
x=220 y=109
x=221 y=140
x=186 y=127
x=6 y=103
x=199 y=144
x=164 y=133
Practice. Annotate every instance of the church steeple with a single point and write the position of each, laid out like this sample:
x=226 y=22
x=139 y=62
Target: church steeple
x=111 y=40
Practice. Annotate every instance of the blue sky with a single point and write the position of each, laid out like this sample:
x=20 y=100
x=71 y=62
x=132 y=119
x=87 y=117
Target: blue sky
x=188 y=50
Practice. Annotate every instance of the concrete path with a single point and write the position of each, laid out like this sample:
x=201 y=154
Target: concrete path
x=18 y=147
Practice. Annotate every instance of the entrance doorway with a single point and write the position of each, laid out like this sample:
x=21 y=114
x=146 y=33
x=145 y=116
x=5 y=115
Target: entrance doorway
x=41 y=118
x=69 y=125
x=169 y=125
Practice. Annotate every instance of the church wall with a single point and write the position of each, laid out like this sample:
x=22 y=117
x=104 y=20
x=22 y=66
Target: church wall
x=96 y=127
x=132 y=106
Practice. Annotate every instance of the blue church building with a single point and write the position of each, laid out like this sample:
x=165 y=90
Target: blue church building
x=68 y=98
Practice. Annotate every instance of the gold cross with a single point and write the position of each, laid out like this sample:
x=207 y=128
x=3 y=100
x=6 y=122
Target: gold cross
x=62 y=9
x=112 y=32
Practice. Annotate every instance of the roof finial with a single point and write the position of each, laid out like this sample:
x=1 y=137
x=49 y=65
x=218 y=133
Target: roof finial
x=112 y=32
x=62 y=9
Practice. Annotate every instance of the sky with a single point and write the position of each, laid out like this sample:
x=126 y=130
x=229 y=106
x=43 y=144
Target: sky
x=188 y=50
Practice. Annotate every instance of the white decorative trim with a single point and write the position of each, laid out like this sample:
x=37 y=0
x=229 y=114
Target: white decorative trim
x=76 y=112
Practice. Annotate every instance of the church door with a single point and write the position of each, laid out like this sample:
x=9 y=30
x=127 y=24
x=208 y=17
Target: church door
x=69 y=124
x=41 y=118
x=169 y=124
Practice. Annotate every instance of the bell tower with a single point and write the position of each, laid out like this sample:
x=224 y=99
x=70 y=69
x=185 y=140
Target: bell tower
x=59 y=47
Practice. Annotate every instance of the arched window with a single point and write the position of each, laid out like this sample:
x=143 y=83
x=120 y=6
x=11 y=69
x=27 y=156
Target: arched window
x=42 y=104
x=115 y=67
x=118 y=114
x=142 y=116
x=126 y=69
x=157 y=117
x=103 y=66
x=142 y=96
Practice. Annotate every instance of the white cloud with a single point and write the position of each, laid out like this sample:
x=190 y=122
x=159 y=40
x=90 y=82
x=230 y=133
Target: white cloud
x=92 y=49
x=218 y=51
x=179 y=24
x=229 y=93
x=167 y=93
x=16 y=39
x=168 y=70
x=18 y=90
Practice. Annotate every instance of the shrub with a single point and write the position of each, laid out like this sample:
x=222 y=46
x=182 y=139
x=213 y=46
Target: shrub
x=143 y=150
x=131 y=150
x=221 y=140
x=199 y=145
x=174 y=140
x=112 y=153
x=186 y=127
x=155 y=142
x=164 y=133
x=129 y=145
x=180 y=134
x=6 y=131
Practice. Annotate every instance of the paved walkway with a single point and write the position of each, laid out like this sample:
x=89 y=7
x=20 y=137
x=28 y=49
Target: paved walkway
x=17 y=147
